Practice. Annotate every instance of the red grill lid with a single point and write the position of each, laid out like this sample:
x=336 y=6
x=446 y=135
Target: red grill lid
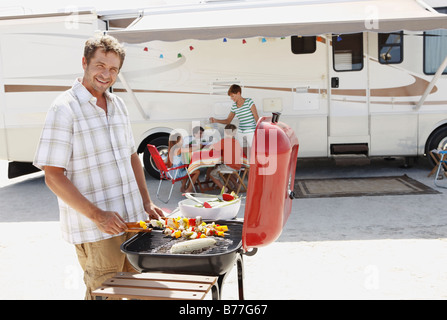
x=270 y=185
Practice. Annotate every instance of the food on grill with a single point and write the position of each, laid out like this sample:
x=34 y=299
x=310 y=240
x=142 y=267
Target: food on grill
x=139 y=226
x=143 y=224
x=151 y=252
x=192 y=228
x=193 y=245
x=158 y=223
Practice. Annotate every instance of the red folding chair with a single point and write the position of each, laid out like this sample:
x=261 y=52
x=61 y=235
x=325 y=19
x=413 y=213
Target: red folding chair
x=164 y=172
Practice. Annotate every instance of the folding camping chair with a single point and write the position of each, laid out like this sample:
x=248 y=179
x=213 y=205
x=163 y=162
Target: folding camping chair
x=226 y=175
x=436 y=156
x=441 y=165
x=164 y=172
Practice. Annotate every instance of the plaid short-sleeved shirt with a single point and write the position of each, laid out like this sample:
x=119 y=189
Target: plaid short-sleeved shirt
x=94 y=149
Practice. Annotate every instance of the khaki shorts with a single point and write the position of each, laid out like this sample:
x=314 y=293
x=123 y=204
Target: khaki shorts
x=102 y=260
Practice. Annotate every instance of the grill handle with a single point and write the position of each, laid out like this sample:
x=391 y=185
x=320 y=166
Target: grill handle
x=291 y=194
x=275 y=117
x=251 y=253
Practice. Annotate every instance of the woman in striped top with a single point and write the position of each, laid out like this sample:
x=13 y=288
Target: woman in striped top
x=245 y=110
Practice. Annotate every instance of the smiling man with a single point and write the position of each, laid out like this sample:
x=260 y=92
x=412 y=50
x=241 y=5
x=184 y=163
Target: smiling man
x=89 y=157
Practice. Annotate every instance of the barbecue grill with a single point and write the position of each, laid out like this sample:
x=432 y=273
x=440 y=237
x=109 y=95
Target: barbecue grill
x=268 y=205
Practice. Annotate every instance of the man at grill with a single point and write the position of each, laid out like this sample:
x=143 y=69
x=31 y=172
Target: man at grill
x=89 y=157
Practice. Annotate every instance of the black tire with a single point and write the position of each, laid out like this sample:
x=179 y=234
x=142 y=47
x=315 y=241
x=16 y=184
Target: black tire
x=438 y=140
x=162 y=145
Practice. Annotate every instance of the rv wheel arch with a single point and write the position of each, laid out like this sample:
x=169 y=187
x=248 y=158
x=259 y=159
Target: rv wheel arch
x=436 y=140
x=161 y=141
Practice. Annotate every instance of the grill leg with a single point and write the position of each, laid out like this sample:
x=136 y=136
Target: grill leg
x=215 y=290
x=240 y=275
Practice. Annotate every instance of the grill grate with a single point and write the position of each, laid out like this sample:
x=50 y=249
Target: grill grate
x=156 y=242
x=221 y=246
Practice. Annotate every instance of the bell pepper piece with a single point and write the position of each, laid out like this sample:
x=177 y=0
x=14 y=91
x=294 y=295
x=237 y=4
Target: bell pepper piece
x=143 y=224
x=222 y=228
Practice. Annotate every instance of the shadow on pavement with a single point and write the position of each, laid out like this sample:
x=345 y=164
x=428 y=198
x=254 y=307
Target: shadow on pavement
x=28 y=200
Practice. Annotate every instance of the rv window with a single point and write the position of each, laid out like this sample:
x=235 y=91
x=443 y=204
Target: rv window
x=301 y=45
x=435 y=48
x=441 y=9
x=391 y=47
x=347 y=52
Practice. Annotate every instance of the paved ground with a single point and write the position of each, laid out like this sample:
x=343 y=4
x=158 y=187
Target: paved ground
x=382 y=247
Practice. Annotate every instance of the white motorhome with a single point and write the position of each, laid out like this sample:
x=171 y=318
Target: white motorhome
x=362 y=77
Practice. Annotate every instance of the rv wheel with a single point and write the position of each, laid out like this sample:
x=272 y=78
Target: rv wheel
x=438 y=140
x=162 y=145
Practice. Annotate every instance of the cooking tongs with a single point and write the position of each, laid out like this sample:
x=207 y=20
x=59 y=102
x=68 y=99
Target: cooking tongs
x=138 y=226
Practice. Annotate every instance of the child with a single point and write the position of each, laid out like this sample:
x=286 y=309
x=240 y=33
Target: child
x=195 y=142
x=231 y=151
x=175 y=153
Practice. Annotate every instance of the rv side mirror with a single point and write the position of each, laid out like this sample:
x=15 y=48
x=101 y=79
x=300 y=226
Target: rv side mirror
x=335 y=83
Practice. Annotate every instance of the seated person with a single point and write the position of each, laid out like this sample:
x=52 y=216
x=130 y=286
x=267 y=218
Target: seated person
x=231 y=151
x=195 y=142
x=175 y=160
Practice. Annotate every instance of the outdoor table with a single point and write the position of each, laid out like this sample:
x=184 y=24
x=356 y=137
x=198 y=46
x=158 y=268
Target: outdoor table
x=207 y=159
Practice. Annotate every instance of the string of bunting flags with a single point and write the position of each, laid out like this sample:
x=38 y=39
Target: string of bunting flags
x=181 y=52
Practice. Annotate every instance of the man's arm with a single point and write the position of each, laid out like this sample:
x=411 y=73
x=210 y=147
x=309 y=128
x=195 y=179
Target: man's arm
x=152 y=210
x=107 y=221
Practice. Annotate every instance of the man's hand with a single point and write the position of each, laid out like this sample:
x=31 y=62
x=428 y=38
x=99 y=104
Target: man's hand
x=153 y=211
x=109 y=222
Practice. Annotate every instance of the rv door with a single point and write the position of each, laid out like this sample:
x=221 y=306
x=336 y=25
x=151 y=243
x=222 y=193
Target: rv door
x=349 y=93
